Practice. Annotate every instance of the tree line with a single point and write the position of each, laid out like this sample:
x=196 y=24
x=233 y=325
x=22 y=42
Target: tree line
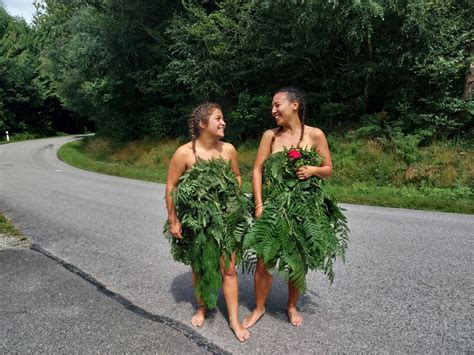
x=135 y=68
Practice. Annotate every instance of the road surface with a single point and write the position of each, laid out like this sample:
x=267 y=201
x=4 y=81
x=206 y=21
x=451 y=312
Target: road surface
x=406 y=286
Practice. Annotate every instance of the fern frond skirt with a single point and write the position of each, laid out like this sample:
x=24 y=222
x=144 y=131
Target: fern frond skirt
x=215 y=215
x=301 y=227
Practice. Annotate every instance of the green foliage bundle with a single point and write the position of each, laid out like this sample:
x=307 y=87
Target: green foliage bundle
x=301 y=226
x=215 y=215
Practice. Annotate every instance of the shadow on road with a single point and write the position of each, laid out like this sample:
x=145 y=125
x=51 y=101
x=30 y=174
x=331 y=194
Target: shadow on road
x=182 y=291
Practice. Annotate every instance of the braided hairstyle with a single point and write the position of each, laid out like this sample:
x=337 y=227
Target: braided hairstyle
x=200 y=113
x=294 y=94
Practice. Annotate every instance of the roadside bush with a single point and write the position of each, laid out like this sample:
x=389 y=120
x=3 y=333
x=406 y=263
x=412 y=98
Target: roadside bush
x=98 y=148
x=22 y=137
x=160 y=153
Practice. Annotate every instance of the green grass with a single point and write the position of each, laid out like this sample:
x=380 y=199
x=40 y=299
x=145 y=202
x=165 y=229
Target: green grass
x=365 y=171
x=447 y=200
x=10 y=236
x=75 y=154
x=7 y=227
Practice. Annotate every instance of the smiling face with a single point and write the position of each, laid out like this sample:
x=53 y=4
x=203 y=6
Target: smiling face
x=215 y=124
x=283 y=109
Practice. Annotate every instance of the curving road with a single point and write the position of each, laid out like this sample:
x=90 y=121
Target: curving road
x=407 y=285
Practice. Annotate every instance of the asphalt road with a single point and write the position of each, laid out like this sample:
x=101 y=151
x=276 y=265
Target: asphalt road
x=405 y=287
x=47 y=309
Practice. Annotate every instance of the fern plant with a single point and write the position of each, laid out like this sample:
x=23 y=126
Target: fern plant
x=215 y=216
x=301 y=227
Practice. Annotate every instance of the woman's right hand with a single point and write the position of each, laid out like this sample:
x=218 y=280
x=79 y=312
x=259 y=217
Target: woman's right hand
x=175 y=229
x=258 y=211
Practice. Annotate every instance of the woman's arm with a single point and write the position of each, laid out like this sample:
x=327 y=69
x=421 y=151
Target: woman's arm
x=176 y=168
x=257 y=172
x=234 y=161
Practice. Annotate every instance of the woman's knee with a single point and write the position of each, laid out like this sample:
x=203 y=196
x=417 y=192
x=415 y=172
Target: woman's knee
x=227 y=267
x=261 y=269
x=231 y=271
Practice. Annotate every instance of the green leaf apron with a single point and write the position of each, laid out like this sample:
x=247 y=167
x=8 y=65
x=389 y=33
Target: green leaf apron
x=215 y=215
x=301 y=227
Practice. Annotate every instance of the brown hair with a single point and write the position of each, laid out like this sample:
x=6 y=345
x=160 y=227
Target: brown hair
x=200 y=113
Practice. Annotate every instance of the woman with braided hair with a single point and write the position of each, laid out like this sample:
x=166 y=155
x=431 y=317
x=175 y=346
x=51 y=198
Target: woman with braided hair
x=207 y=213
x=298 y=225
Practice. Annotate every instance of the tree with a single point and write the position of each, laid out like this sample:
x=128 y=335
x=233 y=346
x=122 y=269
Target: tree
x=135 y=67
x=20 y=99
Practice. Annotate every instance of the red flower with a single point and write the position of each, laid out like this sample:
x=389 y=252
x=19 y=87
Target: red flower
x=294 y=154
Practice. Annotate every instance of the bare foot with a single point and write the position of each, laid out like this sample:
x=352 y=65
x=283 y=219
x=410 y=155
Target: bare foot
x=199 y=316
x=253 y=318
x=240 y=332
x=295 y=318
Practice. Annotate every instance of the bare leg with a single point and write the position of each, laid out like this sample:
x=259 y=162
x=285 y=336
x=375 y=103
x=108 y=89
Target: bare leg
x=262 y=282
x=200 y=315
x=230 y=288
x=293 y=315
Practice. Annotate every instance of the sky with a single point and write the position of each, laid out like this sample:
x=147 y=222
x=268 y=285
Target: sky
x=23 y=8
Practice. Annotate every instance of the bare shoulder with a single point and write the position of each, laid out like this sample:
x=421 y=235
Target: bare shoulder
x=268 y=134
x=228 y=151
x=184 y=151
x=315 y=133
x=228 y=147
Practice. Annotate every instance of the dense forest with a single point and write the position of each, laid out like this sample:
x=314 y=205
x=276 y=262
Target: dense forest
x=130 y=69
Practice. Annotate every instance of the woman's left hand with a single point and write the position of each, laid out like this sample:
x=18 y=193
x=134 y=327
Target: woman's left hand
x=305 y=172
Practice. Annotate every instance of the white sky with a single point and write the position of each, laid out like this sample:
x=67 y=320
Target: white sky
x=23 y=8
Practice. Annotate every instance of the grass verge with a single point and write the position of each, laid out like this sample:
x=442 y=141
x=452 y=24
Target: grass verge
x=73 y=153
x=431 y=199
x=10 y=236
x=382 y=179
